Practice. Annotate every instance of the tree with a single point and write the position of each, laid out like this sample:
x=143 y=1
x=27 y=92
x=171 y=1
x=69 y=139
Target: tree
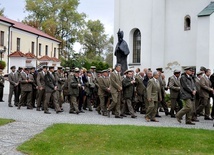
x=94 y=39
x=58 y=18
x=1 y=11
x=109 y=51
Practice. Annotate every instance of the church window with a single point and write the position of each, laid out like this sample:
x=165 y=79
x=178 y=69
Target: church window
x=136 y=46
x=187 y=23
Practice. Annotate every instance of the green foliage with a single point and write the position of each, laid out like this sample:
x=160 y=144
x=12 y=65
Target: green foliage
x=2 y=64
x=94 y=39
x=99 y=65
x=69 y=139
x=1 y=11
x=5 y=121
x=58 y=18
x=83 y=62
x=167 y=97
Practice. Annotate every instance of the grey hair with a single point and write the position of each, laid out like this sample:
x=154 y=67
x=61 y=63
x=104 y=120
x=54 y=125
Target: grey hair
x=117 y=65
x=155 y=73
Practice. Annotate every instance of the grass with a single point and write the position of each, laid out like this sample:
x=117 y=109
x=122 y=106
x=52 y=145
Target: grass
x=67 y=139
x=5 y=121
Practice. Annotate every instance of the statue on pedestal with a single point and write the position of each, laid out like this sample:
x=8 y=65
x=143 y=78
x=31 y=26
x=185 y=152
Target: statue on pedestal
x=121 y=52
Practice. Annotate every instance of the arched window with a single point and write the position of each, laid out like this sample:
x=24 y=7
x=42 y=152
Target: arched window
x=136 y=46
x=187 y=23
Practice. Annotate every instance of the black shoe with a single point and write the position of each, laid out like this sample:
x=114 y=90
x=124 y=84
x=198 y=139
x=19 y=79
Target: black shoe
x=90 y=110
x=207 y=118
x=133 y=116
x=154 y=120
x=59 y=111
x=172 y=116
x=72 y=112
x=142 y=112
x=118 y=117
x=157 y=116
x=167 y=113
x=190 y=123
x=9 y=105
x=123 y=115
x=47 y=112
x=1 y=101
x=30 y=108
x=195 y=120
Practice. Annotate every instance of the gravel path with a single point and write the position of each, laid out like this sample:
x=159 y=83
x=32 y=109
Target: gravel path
x=31 y=122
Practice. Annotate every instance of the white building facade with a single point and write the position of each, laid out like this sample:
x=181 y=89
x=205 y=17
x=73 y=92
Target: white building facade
x=25 y=45
x=171 y=34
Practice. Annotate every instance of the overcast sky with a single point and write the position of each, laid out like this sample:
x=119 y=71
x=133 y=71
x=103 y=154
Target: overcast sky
x=95 y=9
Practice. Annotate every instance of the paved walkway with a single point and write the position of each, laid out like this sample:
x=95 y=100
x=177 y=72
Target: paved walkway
x=31 y=122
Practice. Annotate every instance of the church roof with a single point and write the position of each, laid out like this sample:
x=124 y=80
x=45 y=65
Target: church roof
x=24 y=27
x=207 y=11
x=17 y=54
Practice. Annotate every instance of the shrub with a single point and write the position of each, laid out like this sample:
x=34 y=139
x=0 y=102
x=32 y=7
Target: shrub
x=2 y=64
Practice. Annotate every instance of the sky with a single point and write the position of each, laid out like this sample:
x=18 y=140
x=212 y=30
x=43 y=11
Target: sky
x=94 y=9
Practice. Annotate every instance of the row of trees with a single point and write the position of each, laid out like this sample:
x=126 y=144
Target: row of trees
x=60 y=19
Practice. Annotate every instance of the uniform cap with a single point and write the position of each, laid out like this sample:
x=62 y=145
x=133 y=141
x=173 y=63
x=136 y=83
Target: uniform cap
x=177 y=71
x=199 y=73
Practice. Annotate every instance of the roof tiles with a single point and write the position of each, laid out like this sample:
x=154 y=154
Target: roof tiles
x=24 y=27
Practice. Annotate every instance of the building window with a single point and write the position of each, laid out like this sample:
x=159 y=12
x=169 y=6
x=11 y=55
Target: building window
x=46 y=50
x=2 y=38
x=136 y=46
x=18 y=43
x=55 y=52
x=32 y=47
x=40 y=49
x=187 y=23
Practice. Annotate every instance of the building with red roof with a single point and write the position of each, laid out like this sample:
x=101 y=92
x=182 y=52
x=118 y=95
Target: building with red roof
x=25 y=43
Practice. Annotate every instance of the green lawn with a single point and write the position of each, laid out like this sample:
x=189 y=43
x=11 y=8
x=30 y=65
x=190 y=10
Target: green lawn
x=5 y=121
x=67 y=139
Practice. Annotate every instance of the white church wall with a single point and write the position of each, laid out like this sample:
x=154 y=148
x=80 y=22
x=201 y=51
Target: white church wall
x=129 y=16
x=203 y=36
x=180 y=44
x=164 y=42
x=211 y=43
x=158 y=34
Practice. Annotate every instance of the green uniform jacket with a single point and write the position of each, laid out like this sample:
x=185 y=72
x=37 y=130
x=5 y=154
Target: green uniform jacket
x=174 y=86
x=128 y=88
x=140 y=87
x=73 y=87
x=115 y=82
x=154 y=90
x=104 y=84
x=26 y=86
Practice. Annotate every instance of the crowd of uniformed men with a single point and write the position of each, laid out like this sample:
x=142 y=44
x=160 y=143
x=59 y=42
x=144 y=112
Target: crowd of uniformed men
x=111 y=92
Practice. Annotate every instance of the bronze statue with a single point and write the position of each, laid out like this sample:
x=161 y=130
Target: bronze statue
x=121 y=52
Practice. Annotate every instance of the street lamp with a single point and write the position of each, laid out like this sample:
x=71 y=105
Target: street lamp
x=2 y=51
